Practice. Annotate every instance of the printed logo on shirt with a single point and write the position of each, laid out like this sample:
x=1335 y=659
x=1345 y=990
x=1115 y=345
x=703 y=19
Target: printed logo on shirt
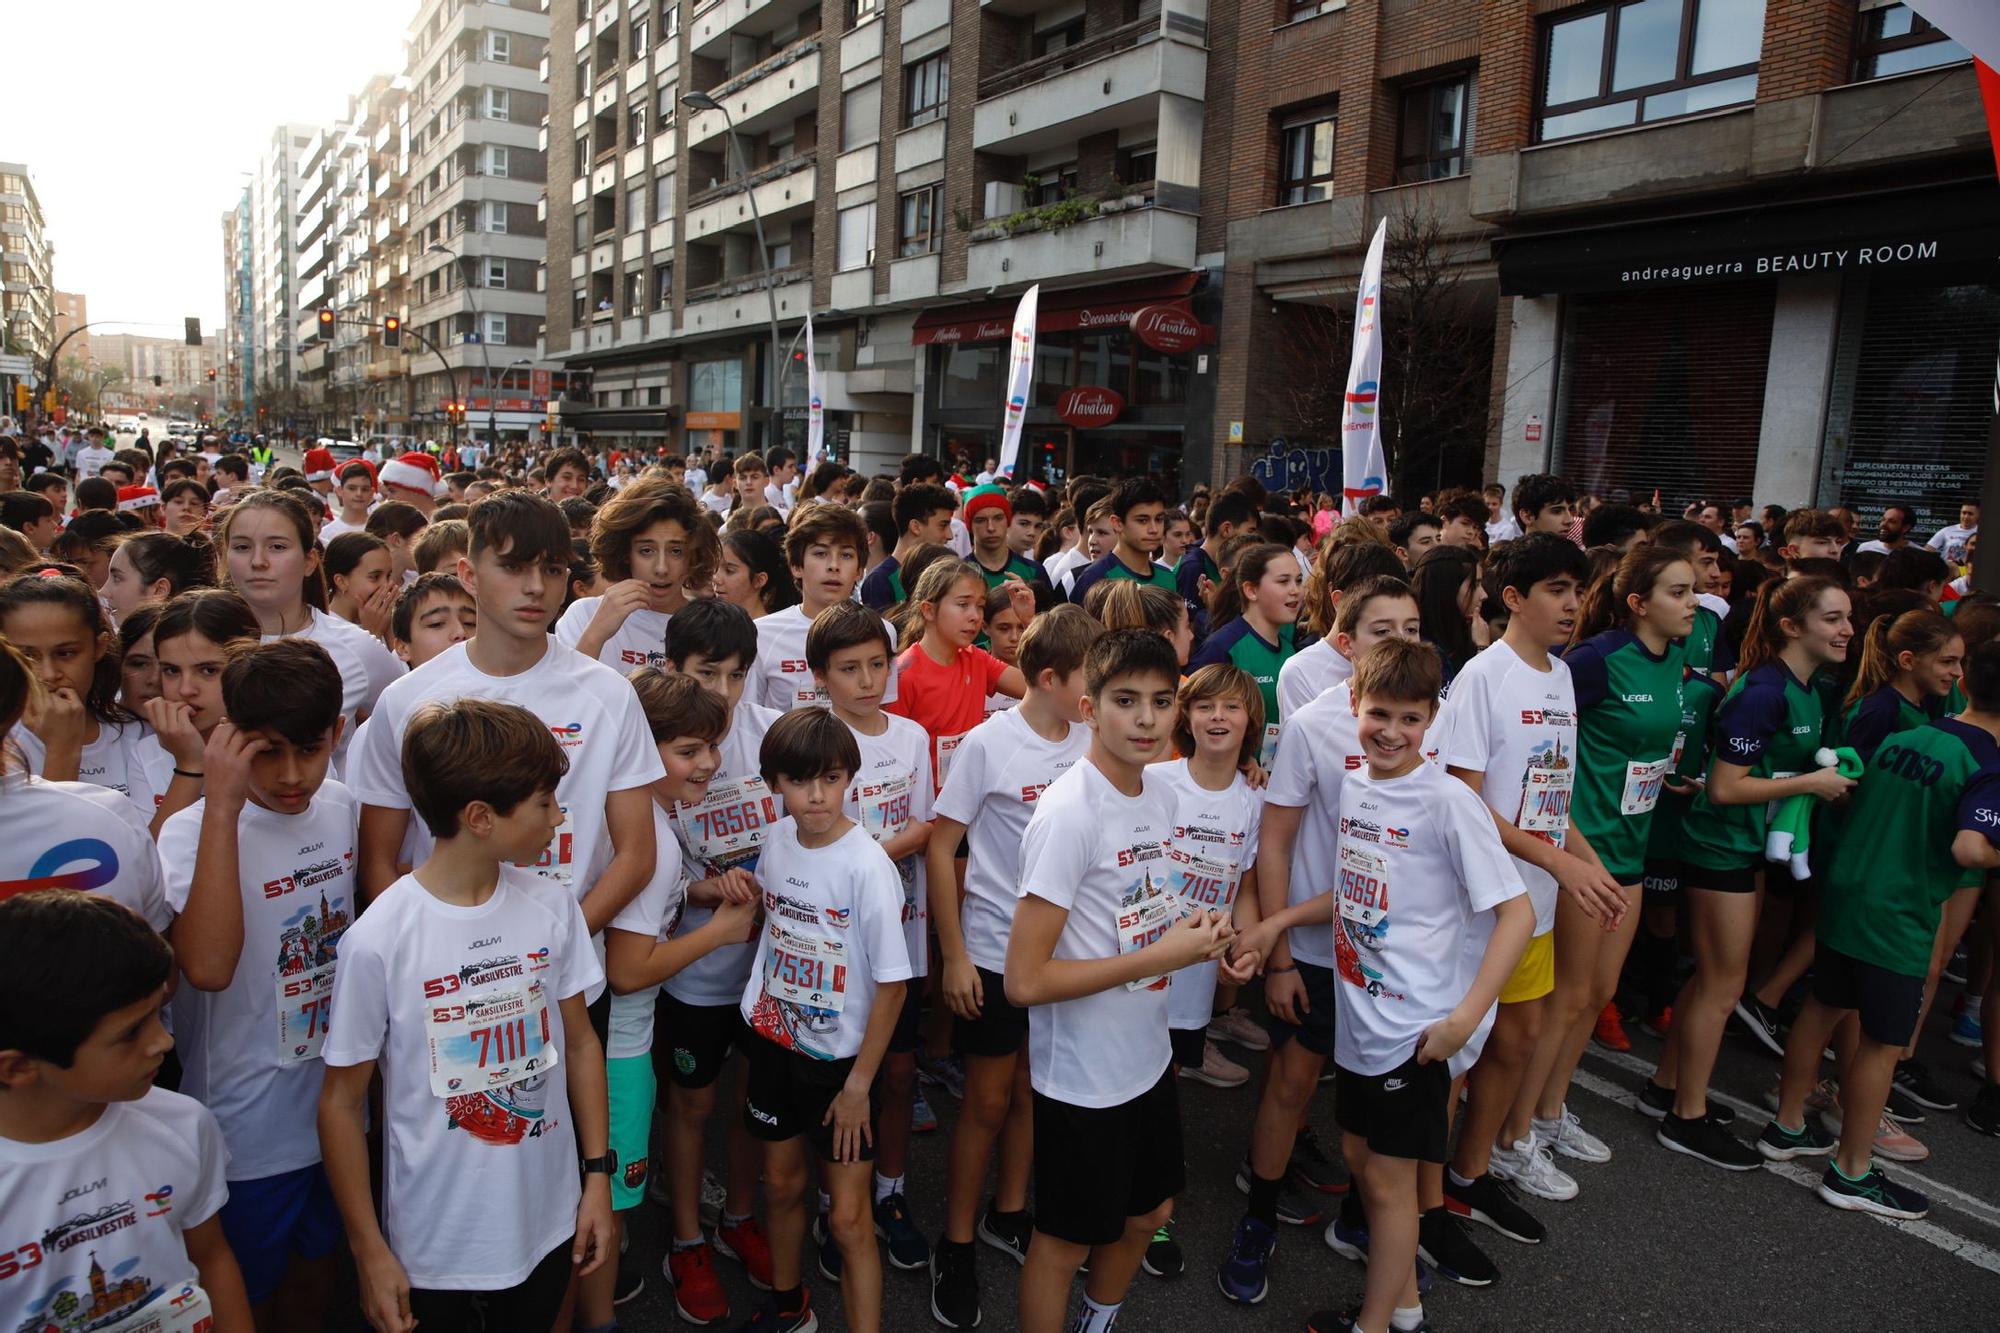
x=1742 y=744
x=160 y=1202
x=840 y=918
x=567 y=734
x=1636 y=698
x=637 y=657
x=57 y=868
x=1355 y=827
x=538 y=959
x=1547 y=717
x=1395 y=837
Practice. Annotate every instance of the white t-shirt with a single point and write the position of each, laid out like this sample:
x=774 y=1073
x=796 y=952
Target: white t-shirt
x=1506 y=530
x=1517 y=726
x=1309 y=673
x=780 y=678
x=998 y=775
x=1949 y=541
x=461 y=1009
x=339 y=527
x=113 y=760
x=95 y=1221
x=1319 y=746
x=961 y=538
x=719 y=504
x=1215 y=841
x=1409 y=955
x=640 y=641
x=73 y=835
x=592 y=712
x=366 y=668
x=892 y=789
x=656 y=915
x=91 y=459
x=725 y=830
x=832 y=934
x=1103 y=857
x=250 y=1052
x=1062 y=566
x=778 y=497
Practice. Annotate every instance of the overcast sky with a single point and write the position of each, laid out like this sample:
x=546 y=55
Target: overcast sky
x=139 y=119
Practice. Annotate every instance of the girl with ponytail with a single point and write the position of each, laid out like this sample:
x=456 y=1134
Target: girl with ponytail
x=155 y=566
x=1909 y=664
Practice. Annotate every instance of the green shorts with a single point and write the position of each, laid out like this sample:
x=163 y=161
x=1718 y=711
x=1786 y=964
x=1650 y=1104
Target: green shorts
x=631 y=1086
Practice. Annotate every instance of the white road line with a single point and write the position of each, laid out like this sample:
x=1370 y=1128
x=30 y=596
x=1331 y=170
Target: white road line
x=1949 y=1195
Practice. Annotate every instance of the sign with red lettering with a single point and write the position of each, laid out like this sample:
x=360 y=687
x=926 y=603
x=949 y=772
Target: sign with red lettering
x=1167 y=328
x=1089 y=405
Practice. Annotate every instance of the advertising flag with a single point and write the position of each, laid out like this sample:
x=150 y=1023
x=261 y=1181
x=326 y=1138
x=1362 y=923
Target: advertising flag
x=1020 y=371
x=1362 y=470
x=815 y=405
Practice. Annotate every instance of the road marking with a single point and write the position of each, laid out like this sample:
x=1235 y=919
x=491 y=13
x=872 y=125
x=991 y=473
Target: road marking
x=1950 y=1196
x=1972 y=1251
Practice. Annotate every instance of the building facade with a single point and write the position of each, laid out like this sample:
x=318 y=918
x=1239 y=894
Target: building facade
x=72 y=323
x=27 y=265
x=239 y=350
x=270 y=338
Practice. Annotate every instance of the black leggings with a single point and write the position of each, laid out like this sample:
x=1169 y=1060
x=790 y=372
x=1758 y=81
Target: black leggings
x=529 y=1307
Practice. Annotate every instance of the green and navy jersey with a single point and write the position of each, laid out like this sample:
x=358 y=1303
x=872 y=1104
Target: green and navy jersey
x=1769 y=723
x=1707 y=653
x=1699 y=696
x=882 y=587
x=1876 y=717
x=1109 y=566
x=1025 y=570
x=1239 y=645
x=1629 y=707
x=1880 y=895
x=1196 y=564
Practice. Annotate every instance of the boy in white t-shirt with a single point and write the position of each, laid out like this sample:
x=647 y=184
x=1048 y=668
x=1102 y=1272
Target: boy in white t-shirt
x=465 y=981
x=821 y=1000
x=432 y=614
x=651 y=544
x=261 y=872
x=997 y=778
x=1097 y=936
x=110 y=1188
x=850 y=653
x=826 y=546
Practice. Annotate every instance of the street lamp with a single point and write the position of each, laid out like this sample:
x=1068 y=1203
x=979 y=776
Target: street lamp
x=485 y=354
x=700 y=101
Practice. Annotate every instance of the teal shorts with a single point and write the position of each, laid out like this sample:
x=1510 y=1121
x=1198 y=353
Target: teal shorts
x=631 y=1086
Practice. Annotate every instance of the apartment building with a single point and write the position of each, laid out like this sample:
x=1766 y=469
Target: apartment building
x=72 y=321
x=270 y=340
x=239 y=349
x=1731 y=247
x=27 y=265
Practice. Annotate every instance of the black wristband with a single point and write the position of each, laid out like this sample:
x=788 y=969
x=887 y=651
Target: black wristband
x=1288 y=967
x=183 y=773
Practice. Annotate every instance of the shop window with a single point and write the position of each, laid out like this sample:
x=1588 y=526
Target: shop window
x=1893 y=40
x=715 y=386
x=1435 y=130
x=1645 y=60
x=1305 y=155
x=926 y=89
x=972 y=376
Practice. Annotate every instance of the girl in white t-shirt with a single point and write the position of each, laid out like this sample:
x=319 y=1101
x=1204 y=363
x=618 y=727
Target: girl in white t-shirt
x=150 y=567
x=191 y=639
x=361 y=584
x=138 y=668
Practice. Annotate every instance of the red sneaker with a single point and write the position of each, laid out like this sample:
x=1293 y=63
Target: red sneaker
x=747 y=1245
x=698 y=1294
x=1611 y=1030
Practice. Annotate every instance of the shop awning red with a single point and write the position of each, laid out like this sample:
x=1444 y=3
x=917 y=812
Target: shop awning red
x=1059 y=311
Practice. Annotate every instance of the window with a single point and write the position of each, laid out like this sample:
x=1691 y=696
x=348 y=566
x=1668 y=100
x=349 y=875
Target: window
x=781 y=255
x=496 y=159
x=583 y=154
x=499 y=104
x=496 y=330
x=1305 y=9
x=861 y=116
x=500 y=47
x=641 y=34
x=635 y=124
x=579 y=306
x=1435 y=129
x=496 y=274
x=1052 y=185
x=635 y=293
x=1051 y=40
x=1305 y=155
x=926 y=88
x=715 y=386
x=581 y=239
x=635 y=208
x=583 y=77
x=663 y=286
x=918 y=231
x=673 y=21
x=856 y=246
x=1645 y=60
x=1895 y=41
x=1139 y=164
x=863 y=11
x=667 y=104
x=663 y=198
x=493 y=217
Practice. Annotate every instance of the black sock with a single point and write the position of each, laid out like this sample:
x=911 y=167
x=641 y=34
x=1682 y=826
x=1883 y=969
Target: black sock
x=1352 y=1215
x=993 y=1211
x=790 y=1300
x=1264 y=1199
x=1657 y=969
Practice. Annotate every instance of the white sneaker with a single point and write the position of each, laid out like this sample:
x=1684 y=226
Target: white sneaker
x=1236 y=1027
x=1567 y=1136
x=1530 y=1165
x=1216 y=1069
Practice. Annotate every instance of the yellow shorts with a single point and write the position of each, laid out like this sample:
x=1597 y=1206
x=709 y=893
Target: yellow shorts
x=1535 y=975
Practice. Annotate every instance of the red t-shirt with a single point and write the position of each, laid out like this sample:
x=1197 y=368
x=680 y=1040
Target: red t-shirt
x=946 y=701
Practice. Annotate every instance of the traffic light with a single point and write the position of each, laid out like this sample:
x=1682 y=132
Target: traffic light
x=326 y=326
x=392 y=332
x=24 y=397
x=157 y=381
x=211 y=376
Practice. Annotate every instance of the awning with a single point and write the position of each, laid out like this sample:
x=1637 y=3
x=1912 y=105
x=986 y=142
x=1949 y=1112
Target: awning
x=1057 y=312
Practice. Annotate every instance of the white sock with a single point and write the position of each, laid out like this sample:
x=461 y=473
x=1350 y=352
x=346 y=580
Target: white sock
x=1406 y=1320
x=1095 y=1318
x=887 y=1185
x=1972 y=1003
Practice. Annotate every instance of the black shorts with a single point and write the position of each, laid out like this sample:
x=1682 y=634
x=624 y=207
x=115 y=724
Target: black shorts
x=1001 y=1028
x=1737 y=879
x=1188 y=1044
x=1316 y=1032
x=600 y=1017
x=690 y=1041
x=1401 y=1113
x=787 y=1095
x=1663 y=881
x=1886 y=1002
x=1096 y=1166
x=908 y=1033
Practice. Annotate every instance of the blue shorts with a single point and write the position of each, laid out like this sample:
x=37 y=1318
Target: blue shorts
x=269 y=1220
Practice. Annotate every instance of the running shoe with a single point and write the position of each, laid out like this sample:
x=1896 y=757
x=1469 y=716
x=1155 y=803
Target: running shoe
x=1984 y=1113
x=947 y=1072
x=1238 y=1028
x=1610 y=1032
x=1966 y=1031
x=1445 y=1244
x=1008 y=1233
x=1352 y=1243
x=1896 y=1143
x=1493 y=1203
x=1567 y=1136
x=1530 y=1165
x=1903 y=1108
x=746 y=1243
x=770 y=1319
x=1216 y=1069
x=1659 y=1024
x=631 y=1281
x=1954 y=967
x=1313 y=1168
x=923 y=1120
x=1296 y=1208
x=698 y=1295
x=829 y=1258
x=955 y=1285
x=1779 y=1144
x=1163 y=1256
x=1914 y=1081
x=1707 y=1141
x=1245 y=1276
x=1656 y=1102
x=1873 y=1193
x=1761 y=1021
x=908 y=1250
x=1824 y=1097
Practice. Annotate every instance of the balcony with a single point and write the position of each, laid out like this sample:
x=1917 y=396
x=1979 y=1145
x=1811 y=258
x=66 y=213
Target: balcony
x=780 y=190
x=717 y=21
x=1112 y=82
x=740 y=303
x=768 y=94
x=1124 y=244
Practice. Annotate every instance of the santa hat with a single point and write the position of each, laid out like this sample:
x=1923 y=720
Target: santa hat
x=988 y=497
x=137 y=497
x=373 y=477
x=319 y=464
x=412 y=472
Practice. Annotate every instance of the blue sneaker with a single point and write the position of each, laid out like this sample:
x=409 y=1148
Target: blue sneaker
x=1352 y=1243
x=1966 y=1031
x=1245 y=1276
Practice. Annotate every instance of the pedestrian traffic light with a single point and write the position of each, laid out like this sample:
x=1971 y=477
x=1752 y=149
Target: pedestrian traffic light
x=392 y=332
x=326 y=325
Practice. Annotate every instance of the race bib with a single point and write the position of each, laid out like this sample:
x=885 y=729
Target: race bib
x=806 y=970
x=1267 y=753
x=942 y=750
x=305 y=1006
x=1771 y=808
x=1545 y=803
x=726 y=829
x=490 y=1039
x=1144 y=920
x=557 y=861
x=1205 y=882
x=1642 y=786
x=181 y=1309
x=1364 y=885
x=884 y=804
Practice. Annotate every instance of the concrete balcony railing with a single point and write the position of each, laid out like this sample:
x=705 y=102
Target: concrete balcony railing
x=1112 y=82
x=716 y=22
x=1111 y=245
x=740 y=303
x=779 y=190
x=767 y=94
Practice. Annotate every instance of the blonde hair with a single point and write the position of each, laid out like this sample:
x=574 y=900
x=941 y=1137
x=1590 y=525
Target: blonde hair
x=1222 y=680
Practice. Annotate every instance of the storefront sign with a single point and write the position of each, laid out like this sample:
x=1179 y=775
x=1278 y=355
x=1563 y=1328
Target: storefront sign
x=1064 y=312
x=1531 y=429
x=714 y=420
x=1088 y=406
x=1166 y=328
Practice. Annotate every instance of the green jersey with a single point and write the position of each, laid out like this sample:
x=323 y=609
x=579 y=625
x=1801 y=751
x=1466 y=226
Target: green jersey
x=1628 y=733
x=1700 y=644
x=1770 y=723
x=1880 y=896
x=1699 y=696
x=1025 y=570
x=1240 y=645
x=1878 y=716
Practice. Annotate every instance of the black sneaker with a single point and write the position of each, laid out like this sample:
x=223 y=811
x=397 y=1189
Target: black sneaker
x=770 y=1319
x=906 y=1245
x=1444 y=1244
x=1342 y=1321
x=1902 y=1107
x=1779 y=1144
x=1163 y=1256
x=1656 y=1102
x=1313 y=1169
x=955 y=1285
x=1761 y=1022
x=1984 y=1113
x=1295 y=1207
x=1954 y=967
x=1708 y=1141
x=1914 y=1081
x=1493 y=1203
x=631 y=1281
x=829 y=1249
x=1873 y=1193
x=1008 y=1233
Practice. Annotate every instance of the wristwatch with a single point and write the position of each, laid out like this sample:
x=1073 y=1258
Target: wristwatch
x=606 y=1165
